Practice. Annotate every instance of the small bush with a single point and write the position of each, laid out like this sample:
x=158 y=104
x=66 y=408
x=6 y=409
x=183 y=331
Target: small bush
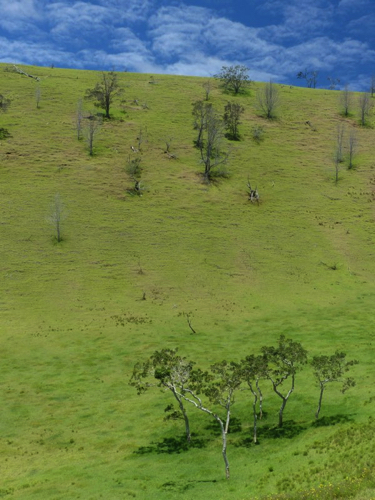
x=258 y=133
x=4 y=133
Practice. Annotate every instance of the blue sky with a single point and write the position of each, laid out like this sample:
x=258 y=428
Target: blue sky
x=275 y=38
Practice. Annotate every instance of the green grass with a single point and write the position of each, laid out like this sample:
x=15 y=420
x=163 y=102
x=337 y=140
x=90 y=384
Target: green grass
x=302 y=264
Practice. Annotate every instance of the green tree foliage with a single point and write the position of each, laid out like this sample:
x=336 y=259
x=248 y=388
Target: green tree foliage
x=232 y=116
x=201 y=111
x=234 y=78
x=167 y=370
x=104 y=91
x=329 y=369
x=282 y=363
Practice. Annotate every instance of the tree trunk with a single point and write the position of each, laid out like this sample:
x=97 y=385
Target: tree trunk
x=281 y=411
x=260 y=400
x=224 y=451
x=320 y=401
x=227 y=421
x=183 y=411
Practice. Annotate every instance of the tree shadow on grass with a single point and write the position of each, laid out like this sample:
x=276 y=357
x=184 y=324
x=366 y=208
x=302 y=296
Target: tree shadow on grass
x=289 y=430
x=234 y=426
x=333 y=420
x=172 y=445
x=180 y=487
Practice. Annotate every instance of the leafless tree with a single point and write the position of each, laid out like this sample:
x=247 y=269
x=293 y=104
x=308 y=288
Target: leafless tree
x=92 y=130
x=333 y=82
x=79 y=119
x=346 y=99
x=200 y=112
x=372 y=85
x=338 y=156
x=38 y=95
x=212 y=156
x=105 y=91
x=142 y=137
x=268 y=99
x=311 y=77
x=207 y=89
x=365 y=105
x=56 y=216
x=353 y=146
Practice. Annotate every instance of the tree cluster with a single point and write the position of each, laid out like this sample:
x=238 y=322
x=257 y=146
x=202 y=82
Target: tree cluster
x=214 y=391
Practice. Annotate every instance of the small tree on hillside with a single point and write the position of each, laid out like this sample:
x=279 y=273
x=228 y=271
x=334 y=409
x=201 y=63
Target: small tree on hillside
x=329 y=369
x=352 y=147
x=311 y=77
x=212 y=156
x=268 y=99
x=207 y=89
x=56 y=216
x=365 y=106
x=234 y=78
x=79 y=119
x=105 y=91
x=92 y=130
x=338 y=155
x=283 y=362
x=372 y=85
x=232 y=115
x=346 y=99
x=4 y=103
x=333 y=82
x=38 y=96
x=200 y=112
x=169 y=371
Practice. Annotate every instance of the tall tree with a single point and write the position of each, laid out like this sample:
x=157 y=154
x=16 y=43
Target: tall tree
x=268 y=99
x=92 y=130
x=169 y=371
x=283 y=362
x=329 y=369
x=232 y=116
x=234 y=78
x=212 y=155
x=311 y=77
x=365 y=106
x=105 y=91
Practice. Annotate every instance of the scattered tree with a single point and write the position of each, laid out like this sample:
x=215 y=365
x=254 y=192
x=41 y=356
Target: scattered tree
x=372 y=85
x=234 y=78
x=212 y=156
x=268 y=99
x=333 y=82
x=38 y=95
x=282 y=362
x=200 y=112
x=207 y=89
x=169 y=371
x=232 y=115
x=346 y=99
x=332 y=369
x=92 y=130
x=142 y=137
x=105 y=91
x=79 y=119
x=353 y=146
x=253 y=370
x=338 y=156
x=365 y=106
x=311 y=77
x=4 y=103
x=56 y=217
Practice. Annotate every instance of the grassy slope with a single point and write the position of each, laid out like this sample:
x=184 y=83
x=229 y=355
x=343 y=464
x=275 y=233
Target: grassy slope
x=70 y=426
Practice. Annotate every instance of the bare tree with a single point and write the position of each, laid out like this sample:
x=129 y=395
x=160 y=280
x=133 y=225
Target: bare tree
x=268 y=99
x=365 y=105
x=105 y=91
x=92 y=130
x=346 y=99
x=57 y=215
x=38 y=95
x=232 y=115
x=212 y=156
x=372 y=85
x=333 y=82
x=234 y=78
x=207 y=89
x=311 y=77
x=353 y=146
x=79 y=119
x=142 y=137
x=338 y=156
x=200 y=112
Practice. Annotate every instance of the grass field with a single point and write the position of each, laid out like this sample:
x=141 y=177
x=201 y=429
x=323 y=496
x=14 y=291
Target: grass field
x=74 y=322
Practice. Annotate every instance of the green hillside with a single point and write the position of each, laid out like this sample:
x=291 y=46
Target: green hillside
x=74 y=321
